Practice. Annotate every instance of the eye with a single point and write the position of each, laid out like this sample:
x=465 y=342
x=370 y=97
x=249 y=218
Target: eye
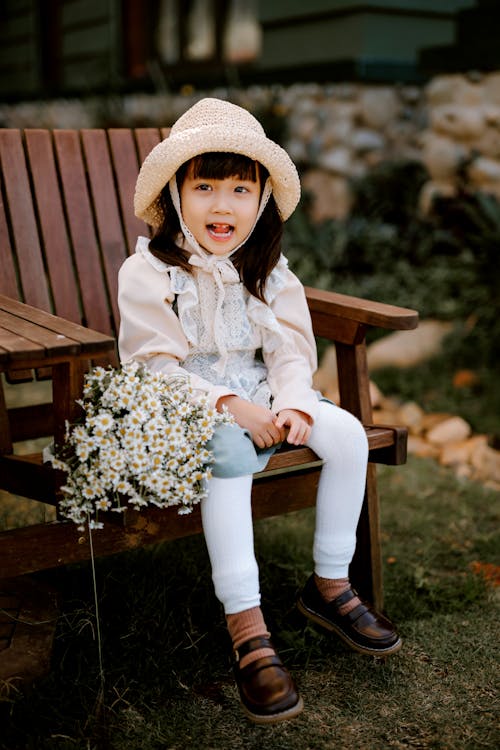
x=203 y=186
x=242 y=189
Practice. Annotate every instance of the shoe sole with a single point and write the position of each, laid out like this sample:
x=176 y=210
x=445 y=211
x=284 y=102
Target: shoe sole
x=290 y=713
x=330 y=626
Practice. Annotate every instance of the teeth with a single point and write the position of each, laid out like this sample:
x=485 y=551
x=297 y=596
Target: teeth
x=220 y=227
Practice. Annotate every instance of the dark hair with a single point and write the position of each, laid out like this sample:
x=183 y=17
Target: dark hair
x=256 y=259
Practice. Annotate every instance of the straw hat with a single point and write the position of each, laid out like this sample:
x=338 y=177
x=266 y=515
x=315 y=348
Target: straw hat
x=214 y=125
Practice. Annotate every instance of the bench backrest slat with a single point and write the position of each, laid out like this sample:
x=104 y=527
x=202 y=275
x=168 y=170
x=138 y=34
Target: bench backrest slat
x=82 y=231
x=126 y=167
x=66 y=217
x=22 y=220
x=54 y=234
x=8 y=280
x=147 y=139
x=107 y=213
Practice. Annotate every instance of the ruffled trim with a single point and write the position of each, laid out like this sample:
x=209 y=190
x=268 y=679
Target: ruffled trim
x=260 y=313
x=182 y=285
x=142 y=247
x=276 y=279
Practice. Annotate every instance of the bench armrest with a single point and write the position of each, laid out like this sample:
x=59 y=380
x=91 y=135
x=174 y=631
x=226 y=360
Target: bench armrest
x=325 y=304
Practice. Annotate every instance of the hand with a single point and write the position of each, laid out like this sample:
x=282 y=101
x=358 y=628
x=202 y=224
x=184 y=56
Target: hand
x=259 y=421
x=299 y=425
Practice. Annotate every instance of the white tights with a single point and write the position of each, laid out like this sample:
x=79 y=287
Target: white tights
x=340 y=440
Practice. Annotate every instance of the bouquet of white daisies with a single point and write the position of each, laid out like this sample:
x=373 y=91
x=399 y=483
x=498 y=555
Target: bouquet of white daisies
x=142 y=441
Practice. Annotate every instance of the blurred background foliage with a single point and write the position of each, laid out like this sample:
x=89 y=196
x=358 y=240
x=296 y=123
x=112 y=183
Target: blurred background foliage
x=445 y=264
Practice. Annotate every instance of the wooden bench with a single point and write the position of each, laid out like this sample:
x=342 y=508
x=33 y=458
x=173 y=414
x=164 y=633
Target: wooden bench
x=66 y=225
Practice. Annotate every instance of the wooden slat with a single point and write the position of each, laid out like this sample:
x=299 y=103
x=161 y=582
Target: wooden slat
x=83 y=235
x=30 y=422
x=354 y=381
x=8 y=282
x=126 y=169
x=31 y=338
x=90 y=341
x=53 y=225
x=109 y=227
x=360 y=310
x=339 y=330
x=147 y=139
x=22 y=217
x=28 y=478
x=49 y=545
x=291 y=459
x=13 y=346
x=8 y=279
x=365 y=569
x=5 y=434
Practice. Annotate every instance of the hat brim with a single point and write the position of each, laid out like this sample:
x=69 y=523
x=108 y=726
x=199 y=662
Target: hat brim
x=165 y=159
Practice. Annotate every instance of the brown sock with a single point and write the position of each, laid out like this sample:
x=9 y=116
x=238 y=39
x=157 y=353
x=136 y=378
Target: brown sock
x=330 y=588
x=245 y=625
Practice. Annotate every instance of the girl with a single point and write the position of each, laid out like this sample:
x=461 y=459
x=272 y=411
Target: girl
x=209 y=290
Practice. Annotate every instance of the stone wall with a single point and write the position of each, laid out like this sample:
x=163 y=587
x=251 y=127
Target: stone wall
x=333 y=132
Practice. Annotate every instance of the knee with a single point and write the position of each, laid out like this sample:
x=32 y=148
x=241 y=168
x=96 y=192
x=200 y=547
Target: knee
x=336 y=429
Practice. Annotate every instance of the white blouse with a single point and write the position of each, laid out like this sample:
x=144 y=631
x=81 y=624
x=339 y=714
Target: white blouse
x=208 y=325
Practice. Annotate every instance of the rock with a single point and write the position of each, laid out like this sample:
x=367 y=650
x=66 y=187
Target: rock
x=417 y=446
x=442 y=156
x=376 y=395
x=434 y=418
x=459 y=122
x=484 y=170
x=486 y=463
x=492 y=115
x=408 y=348
x=336 y=160
x=386 y=416
x=460 y=451
x=448 y=89
x=331 y=195
x=306 y=127
x=378 y=106
x=364 y=139
x=488 y=143
x=491 y=87
x=450 y=430
x=411 y=415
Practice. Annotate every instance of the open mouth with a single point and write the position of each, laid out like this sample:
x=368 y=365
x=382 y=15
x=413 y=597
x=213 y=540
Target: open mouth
x=220 y=231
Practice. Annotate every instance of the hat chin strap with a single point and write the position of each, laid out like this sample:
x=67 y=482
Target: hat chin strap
x=219 y=266
x=193 y=242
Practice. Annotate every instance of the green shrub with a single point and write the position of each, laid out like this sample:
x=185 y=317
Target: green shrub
x=445 y=265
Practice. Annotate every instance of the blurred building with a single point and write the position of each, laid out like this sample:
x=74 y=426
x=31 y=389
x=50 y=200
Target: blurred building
x=61 y=48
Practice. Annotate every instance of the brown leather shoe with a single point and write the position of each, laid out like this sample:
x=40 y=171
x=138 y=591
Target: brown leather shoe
x=363 y=629
x=267 y=691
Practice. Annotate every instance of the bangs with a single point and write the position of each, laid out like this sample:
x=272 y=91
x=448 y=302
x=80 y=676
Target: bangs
x=219 y=165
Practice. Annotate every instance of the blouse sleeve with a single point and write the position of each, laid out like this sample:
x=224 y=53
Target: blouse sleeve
x=150 y=331
x=292 y=364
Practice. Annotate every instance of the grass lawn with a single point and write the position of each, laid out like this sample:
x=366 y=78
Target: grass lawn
x=167 y=681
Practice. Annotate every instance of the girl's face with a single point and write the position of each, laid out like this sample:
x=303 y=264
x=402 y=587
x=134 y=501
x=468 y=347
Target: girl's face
x=219 y=213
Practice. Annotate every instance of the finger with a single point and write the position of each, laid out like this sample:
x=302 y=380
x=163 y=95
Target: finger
x=278 y=435
x=282 y=434
x=279 y=422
